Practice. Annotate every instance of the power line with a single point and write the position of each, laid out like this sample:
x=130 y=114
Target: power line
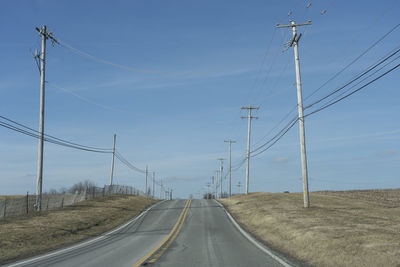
x=55 y=138
x=127 y=163
x=356 y=78
x=101 y=60
x=338 y=96
x=282 y=133
x=358 y=89
x=276 y=126
x=290 y=125
x=51 y=139
x=353 y=61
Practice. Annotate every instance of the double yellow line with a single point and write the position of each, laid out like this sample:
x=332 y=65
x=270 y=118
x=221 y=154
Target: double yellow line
x=158 y=251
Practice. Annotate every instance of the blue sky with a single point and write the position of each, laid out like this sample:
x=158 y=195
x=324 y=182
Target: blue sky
x=197 y=63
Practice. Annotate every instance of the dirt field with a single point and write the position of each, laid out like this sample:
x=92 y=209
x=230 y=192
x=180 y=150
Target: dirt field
x=26 y=236
x=349 y=228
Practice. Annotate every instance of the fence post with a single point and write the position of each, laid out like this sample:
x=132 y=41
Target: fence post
x=27 y=202
x=47 y=205
x=104 y=190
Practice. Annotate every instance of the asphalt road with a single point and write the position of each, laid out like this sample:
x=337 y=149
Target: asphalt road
x=205 y=236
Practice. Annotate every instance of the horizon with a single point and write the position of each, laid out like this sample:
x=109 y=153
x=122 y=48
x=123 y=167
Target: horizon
x=169 y=78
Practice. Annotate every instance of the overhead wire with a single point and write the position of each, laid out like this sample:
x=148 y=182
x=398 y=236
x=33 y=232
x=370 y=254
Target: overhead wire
x=353 y=92
x=277 y=137
x=49 y=138
x=353 y=61
x=107 y=62
x=121 y=158
x=363 y=73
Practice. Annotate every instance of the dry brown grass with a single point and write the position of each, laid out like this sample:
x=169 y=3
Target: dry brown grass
x=26 y=236
x=2 y=197
x=338 y=230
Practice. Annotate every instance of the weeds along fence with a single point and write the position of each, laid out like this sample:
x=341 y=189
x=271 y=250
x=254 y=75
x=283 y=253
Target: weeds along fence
x=24 y=205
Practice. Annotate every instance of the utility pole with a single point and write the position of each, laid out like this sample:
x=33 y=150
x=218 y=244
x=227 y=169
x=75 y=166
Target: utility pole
x=208 y=191
x=45 y=35
x=212 y=181
x=221 y=168
x=239 y=185
x=160 y=188
x=294 y=42
x=112 y=161
x=249 y=117
x=216 y=183
x=170 y=194
x=145 y=187
x=153 y=184
x=230 y=164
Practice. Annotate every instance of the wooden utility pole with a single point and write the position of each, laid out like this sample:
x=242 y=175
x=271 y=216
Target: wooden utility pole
x=249 y=117
x=221 y=168
x=294 y=42
x=45 y=35
x=112 y=161
x=230 y=165
x=160 y=189
x=216 y=184
x=153 y=184
x=145 y=186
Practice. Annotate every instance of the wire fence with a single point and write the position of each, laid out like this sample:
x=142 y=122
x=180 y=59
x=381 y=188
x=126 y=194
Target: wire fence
x=12 y=206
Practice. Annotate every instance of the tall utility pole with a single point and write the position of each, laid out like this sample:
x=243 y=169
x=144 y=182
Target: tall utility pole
x=153 y=184
x=230 y=165
x=221 y=169
x=249 y=117
x=294 y=42
x=160 y=189
x=145 y=186
x=212 y=181
x=112 y=161
x=216 y=184
x=45 y=35
x=170 y=194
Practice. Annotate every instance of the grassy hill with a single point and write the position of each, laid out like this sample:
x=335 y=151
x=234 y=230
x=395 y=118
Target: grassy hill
x=25 y=236
x=346 y=228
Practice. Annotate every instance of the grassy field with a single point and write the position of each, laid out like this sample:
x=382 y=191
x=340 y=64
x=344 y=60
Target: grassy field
x=26 y=236
x=12 y=196
x=348 y=228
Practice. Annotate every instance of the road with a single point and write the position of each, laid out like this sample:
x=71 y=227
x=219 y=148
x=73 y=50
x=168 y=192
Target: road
x=186 y=233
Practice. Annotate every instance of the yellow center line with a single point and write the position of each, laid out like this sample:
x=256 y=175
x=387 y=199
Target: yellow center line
x=173 y=233
x=161 y=252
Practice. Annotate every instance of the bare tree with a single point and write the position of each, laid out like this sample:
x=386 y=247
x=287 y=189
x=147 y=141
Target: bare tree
x=81 y=186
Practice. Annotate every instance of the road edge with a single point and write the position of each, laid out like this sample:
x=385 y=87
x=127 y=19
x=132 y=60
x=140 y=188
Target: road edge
x=254 y=241
x=82 y=243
